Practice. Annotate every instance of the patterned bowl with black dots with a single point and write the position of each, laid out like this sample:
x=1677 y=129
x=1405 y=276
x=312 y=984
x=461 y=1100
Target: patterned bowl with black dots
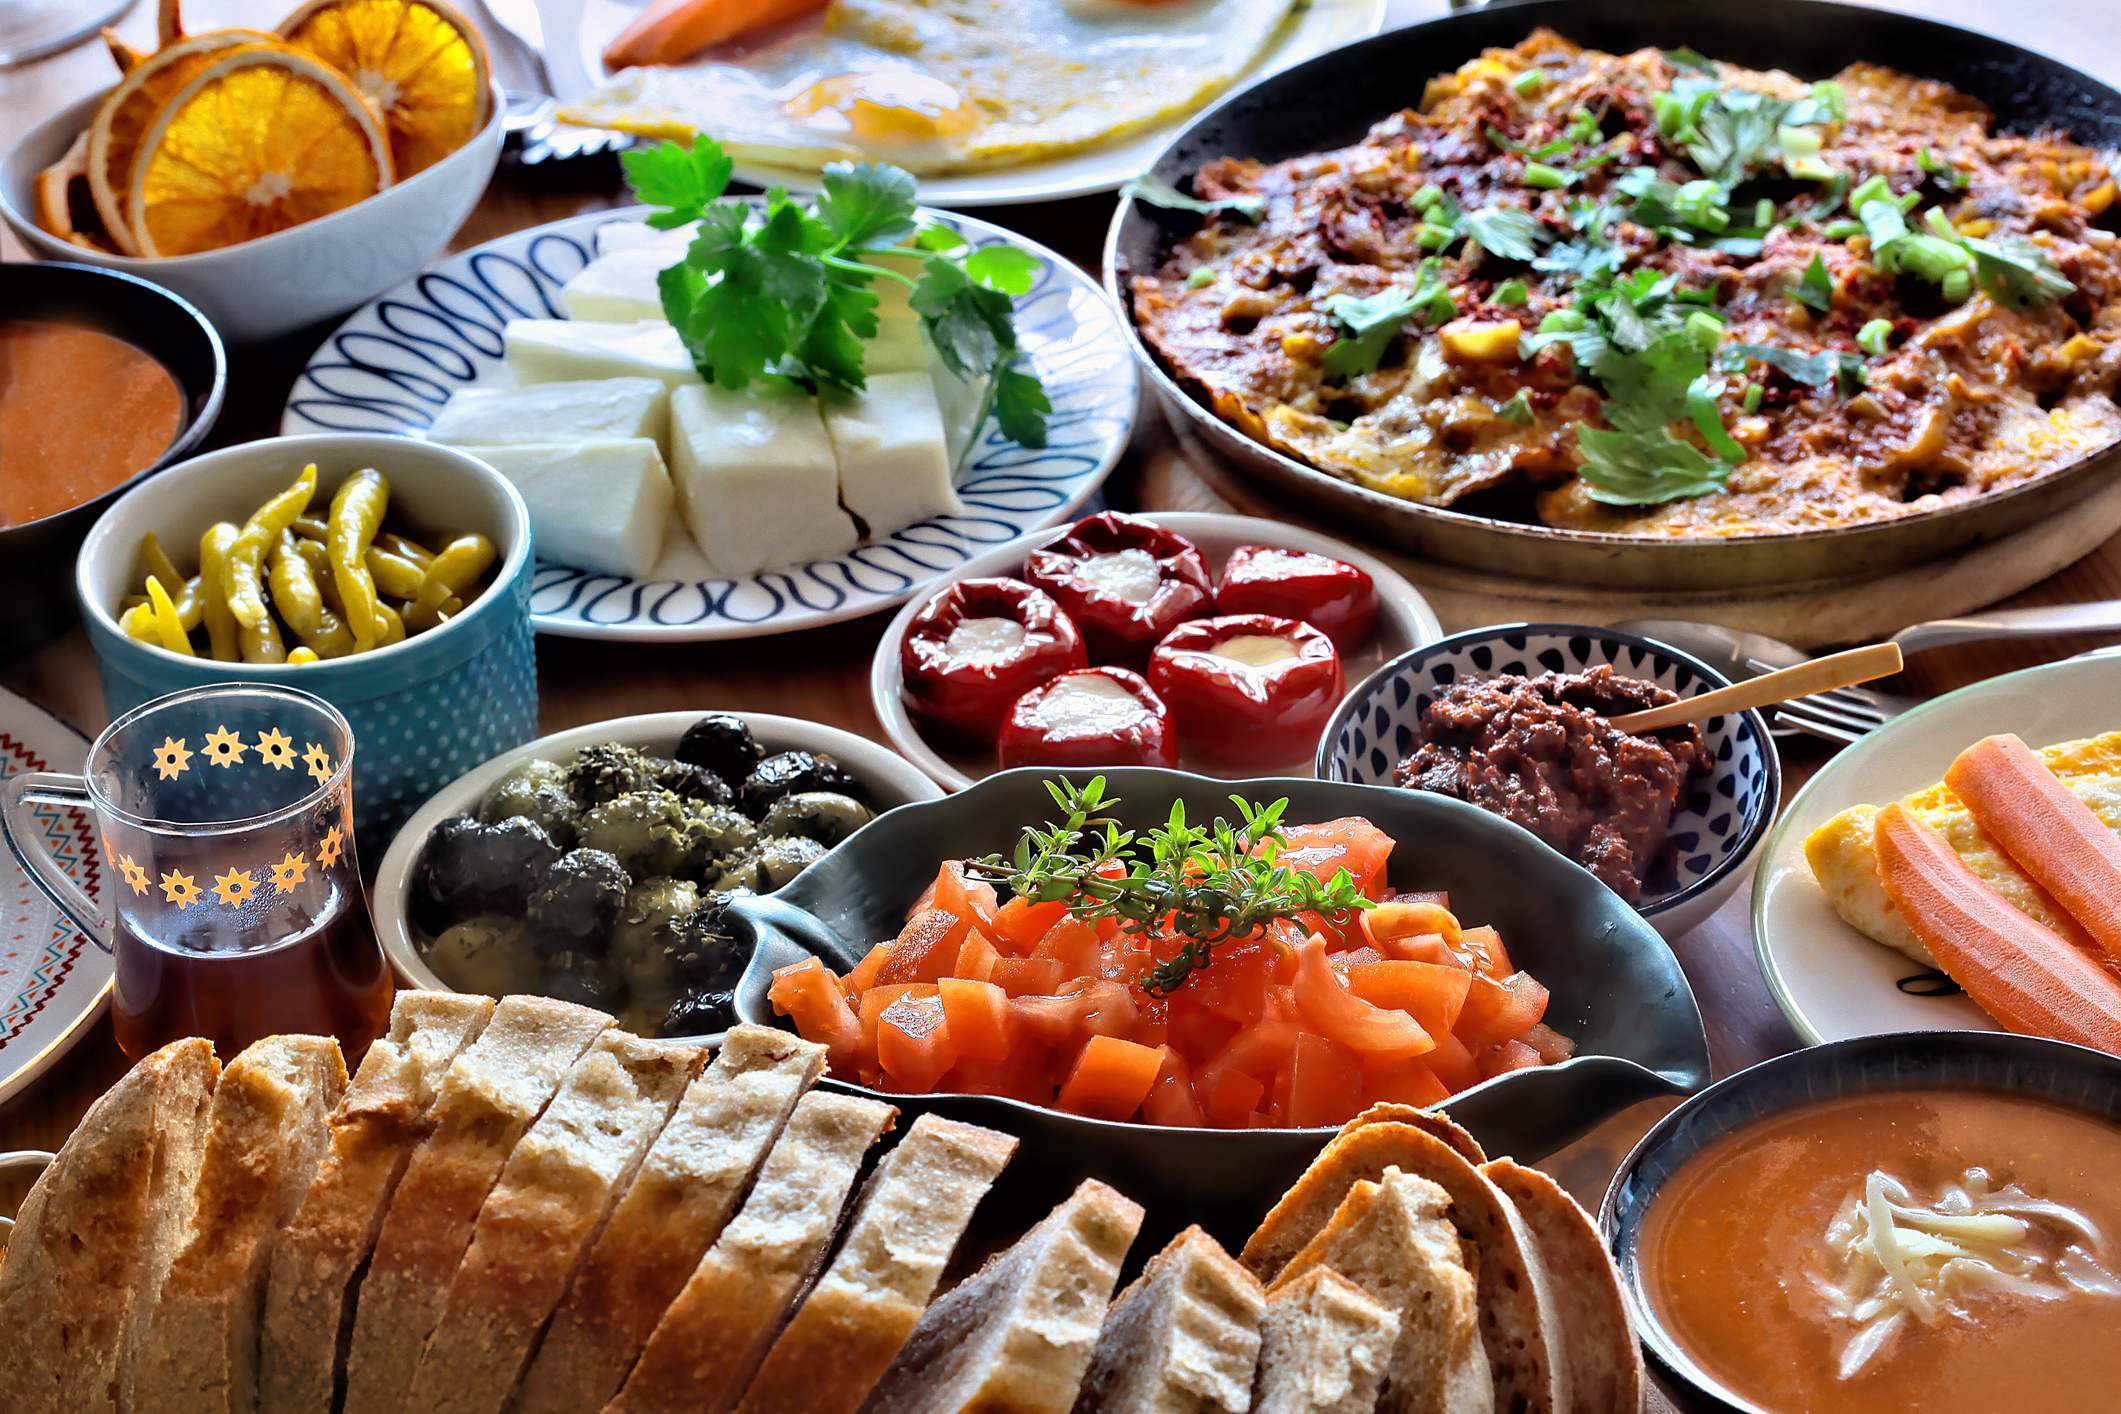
x=1717 y=829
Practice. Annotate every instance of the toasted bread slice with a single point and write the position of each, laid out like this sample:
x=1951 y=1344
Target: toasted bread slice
x=271 y=1126
x=490 y=1094
x=538 y=1222
x=706 y=1347
x=1600 y=1359
x=1432 y=1121
x=1325 y=1347
x=309 y=1293
x=94 y=1239
x=1016 y=1337
x=907 y=1223
x=1183 y=1339
x=688 y=1186
x=1394 y=1239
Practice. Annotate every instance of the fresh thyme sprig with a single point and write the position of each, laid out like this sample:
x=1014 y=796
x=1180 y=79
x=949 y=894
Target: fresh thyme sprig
x=1204 y=884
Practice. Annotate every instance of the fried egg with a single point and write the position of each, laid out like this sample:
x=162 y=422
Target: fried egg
x=949 y=85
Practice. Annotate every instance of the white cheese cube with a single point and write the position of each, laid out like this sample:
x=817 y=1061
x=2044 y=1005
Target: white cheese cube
x=900 y=346
x=756 y=479
x=894 y=468
x=595 y=504
x=619 y=287
x=594 y=410
x=545 y=350
x=963 y=404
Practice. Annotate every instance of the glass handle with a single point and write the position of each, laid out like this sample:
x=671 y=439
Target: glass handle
x=26 y=838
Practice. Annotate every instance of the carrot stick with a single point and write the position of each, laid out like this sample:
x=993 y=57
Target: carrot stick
x=2047 y=831
x=672 y=31
x=2019 y=970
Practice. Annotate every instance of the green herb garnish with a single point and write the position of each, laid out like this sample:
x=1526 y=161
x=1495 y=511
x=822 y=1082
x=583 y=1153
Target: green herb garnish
x=1516 y=409
x=1505 y=232
x=1154 y=191
x=1815 y=289
x=1368 y=325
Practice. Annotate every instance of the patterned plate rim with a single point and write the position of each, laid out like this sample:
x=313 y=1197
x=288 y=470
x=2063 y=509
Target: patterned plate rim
x=439 y=326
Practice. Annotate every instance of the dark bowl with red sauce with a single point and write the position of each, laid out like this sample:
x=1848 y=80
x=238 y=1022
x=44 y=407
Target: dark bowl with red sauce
x=37 y=556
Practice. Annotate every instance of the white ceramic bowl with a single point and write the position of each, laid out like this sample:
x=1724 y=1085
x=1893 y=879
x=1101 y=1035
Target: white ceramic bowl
x=887 y=778
x=276 y=284
x=1404 y=621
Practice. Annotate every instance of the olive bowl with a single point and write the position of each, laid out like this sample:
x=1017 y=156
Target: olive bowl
x=1617 y=990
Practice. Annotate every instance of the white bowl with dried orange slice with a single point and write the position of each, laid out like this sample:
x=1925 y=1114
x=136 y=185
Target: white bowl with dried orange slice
x=274 y=179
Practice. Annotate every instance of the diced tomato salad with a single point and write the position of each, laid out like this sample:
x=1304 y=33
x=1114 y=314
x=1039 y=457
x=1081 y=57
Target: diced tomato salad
x=1302 y=1024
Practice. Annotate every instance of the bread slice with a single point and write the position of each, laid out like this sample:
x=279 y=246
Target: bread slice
x=1600 y=1358
x=694 y=1175
x=271 y=1125
x=911 y=1214
x=1394 y=1238
x=706 y=1347
x=1325 y=1347
x=1183 y=1339
x=490 y=1094
x=1435 y=1122
x=537 y=1223
x=1016 y=1337
x=309 y=1292
x=94 y=1239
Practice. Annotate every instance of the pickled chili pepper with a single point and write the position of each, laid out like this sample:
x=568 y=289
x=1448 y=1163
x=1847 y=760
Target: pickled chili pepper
x=356 y=516
x=457 y=566
x=168 y=631
x=245 y=582
x=221 y=633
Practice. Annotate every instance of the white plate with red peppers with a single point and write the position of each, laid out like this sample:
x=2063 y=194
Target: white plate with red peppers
x=1211 y=643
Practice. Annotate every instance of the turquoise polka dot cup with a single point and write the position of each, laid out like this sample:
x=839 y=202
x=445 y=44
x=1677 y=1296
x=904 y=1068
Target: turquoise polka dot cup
x=424 y=710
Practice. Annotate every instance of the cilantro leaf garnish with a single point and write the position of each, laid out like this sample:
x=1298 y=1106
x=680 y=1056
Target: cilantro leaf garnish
x=1815 y=370
x=1154 y=191
x=1623 y=469
x=679 y=178
x=1369 y=323
x=866 y=204
x=1505 y=232
x=2017 y=272
x=1815 y=290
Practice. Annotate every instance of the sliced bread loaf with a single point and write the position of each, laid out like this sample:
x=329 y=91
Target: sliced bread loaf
x=94 y=1239
x=537 y=1223
x=907 y=1223
x=1015 y=1337
x=1183 y=1339
x=1599 y=1356
x=387 y=1110
x=1325 y=1347
x=490 y=1094
x=706 y=1347
x=271 y=1125
x=696 y=1172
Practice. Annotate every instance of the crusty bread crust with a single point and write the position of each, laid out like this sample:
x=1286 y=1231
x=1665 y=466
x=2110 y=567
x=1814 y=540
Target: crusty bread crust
x=1325 y=1347
x=694 y=1176
x=495 y=1088
x=907 y=1223
x=271 y=1125
x=706 y=1347
x=1601 y=1359
x=386 y=1111
x=94 y=1239
x=1183 y=1339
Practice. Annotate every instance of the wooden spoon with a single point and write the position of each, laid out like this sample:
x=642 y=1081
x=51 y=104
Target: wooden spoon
x=1843 y=669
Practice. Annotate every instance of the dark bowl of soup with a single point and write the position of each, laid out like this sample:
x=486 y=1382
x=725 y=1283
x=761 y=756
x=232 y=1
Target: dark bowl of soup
x=1923 y=1221
x=104 y=378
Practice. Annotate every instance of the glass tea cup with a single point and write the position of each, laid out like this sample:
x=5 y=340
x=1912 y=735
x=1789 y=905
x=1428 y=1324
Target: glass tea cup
x=232 y=901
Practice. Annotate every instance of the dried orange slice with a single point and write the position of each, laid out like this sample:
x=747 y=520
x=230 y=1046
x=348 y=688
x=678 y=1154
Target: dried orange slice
x=58 y=187
x=420 y=62
x=169 y=22
x=114 y=133
x=260 y=139
x=121 y=53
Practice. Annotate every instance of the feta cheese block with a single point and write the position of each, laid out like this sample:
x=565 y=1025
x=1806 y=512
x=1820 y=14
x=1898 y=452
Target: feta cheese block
x=756 y=478
x=963 y=403
x=594 y=410
x=899 y=345
x=547 y=350
x=595 y=504
x=894 y=467
x=621 y=286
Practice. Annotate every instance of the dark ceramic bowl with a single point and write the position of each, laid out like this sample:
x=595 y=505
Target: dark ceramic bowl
x=1617 y=990
x=1994 y=1061
x=37 y=557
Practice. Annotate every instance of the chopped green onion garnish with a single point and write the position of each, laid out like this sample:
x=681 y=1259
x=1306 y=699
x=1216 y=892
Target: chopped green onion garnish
x=1430 y=236
x=1701 y=395
x=1938 y=167
x=1828 y=95
x=1539 y=174
x=1511 y=292
x=1201 y=275
x=1872 y=336
x=1564 y=321
x=1841 y=230
x=1705 y=329
x=1957 y=286
x=1940 y=224
x=1529 y=82
x=1518 y=409
x=1750 y=399
x=1872 y=188
x=1427 y=197
x=1763 y=212
x=1810 y=169
x=1798 y=142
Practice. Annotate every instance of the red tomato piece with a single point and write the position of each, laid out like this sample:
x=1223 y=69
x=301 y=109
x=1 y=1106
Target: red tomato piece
x=978 y=1016
x=926 y=949
x=1325 y=1083
x=1171 y=1100
x=913 y=1041
x=1351 y=843
x=1485 y=953
x=1509 y=1056
x=1090 y=717
x=975 y=647
x=1026 y=976
x=1331 y=595
x=1111 y=1078
x=1433 y=994
x=1231 y=1099
x=1125 y=581
x=1021 y=923
x=976 y=958
x=955 y=891
x=808 y=993
x=1255 y=1050
x=1452 y=1063
x=1234 y=985
x=1404 y=1083
x=1500 y=1011
x=1247 y=689
x=1328 y=1006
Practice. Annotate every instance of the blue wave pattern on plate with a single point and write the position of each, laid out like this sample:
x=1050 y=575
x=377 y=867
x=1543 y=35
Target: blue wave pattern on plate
x=392 y=366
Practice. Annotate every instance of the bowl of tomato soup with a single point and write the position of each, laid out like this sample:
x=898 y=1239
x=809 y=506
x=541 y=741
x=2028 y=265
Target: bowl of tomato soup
x=104 y=378
x=1922 y=1221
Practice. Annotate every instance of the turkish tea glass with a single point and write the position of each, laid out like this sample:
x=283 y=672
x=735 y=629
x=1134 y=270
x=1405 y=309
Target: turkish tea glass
x=232 y=904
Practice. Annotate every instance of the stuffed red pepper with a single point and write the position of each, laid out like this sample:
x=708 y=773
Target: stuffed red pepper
x=1090 y=717
x=1325 y=593
x=1125 y=581
x=1248 y=689
x=976 y=647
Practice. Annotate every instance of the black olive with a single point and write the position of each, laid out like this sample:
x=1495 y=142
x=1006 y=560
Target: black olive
x=581 y=895
x=697 y=1013
x=607 y=770
x=467 y=867
x=706 y=956
x=722 y=744
x=585 y=979
x=793 y=771
x=694 y=782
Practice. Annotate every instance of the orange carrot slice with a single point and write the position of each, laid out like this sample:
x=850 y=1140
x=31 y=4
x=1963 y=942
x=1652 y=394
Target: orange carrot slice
x=1111 y=1078
x=672 y=31
x=2051 y=834
x=2020 y=971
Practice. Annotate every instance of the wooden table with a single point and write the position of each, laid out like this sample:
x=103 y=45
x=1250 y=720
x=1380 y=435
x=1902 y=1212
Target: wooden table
x=822 y=674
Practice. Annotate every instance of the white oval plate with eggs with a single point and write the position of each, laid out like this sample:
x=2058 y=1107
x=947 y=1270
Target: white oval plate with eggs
x=792 y=57
x=393 y=364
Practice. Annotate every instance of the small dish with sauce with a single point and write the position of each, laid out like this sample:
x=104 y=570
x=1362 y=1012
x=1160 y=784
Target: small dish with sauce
x=1909 y=1221
x=104 y=378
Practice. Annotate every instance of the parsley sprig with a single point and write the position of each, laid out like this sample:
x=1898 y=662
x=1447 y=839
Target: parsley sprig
x=1203 y=884
x=785 y=292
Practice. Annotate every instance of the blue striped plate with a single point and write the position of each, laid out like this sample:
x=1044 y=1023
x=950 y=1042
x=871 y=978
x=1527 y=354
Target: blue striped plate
x=391 y=365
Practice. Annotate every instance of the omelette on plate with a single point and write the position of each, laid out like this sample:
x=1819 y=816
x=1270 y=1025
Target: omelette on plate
x=1845 y=861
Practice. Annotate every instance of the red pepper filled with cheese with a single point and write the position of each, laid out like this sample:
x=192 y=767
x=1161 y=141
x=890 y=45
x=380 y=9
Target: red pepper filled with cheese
x=1125 y=581
x=1324 y=592
x=976 y=647
x=1248 y=689
x=1091 y=717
